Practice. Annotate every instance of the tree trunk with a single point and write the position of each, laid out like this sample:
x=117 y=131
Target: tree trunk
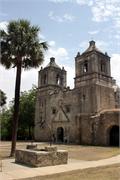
x=29 y=133
x=16 y=109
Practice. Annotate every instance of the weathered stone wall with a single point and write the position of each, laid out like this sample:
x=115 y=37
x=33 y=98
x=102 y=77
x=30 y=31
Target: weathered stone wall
x=95 y=130
x=77 y=111
x=117 y=97
x=107 y=120
x=36 y=158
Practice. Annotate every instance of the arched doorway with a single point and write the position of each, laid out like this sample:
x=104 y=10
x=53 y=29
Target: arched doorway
x=60 y=134
x=114 y=136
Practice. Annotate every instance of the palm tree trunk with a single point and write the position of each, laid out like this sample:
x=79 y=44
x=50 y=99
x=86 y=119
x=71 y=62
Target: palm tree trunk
x=16 y=109
x=29 y=133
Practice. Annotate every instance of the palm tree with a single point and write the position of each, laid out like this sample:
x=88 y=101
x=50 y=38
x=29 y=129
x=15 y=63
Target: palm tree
x=20 y=48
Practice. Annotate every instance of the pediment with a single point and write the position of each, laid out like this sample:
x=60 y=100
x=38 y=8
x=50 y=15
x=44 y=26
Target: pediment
x=61 y=116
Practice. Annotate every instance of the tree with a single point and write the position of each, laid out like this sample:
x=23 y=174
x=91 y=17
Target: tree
x=2 y=98
x=6 y=119
x=20 y=48
x=27 y=114
x=26 y=117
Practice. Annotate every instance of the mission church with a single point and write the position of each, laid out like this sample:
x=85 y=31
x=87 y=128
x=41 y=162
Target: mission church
x=87 y=114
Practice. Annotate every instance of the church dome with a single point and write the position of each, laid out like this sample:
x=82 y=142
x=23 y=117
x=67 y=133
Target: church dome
x=52 y=63
x=92 y=47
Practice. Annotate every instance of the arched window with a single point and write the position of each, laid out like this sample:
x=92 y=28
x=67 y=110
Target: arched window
x=58 y=79
x=103 y=67
x=85 y=67
x=84 y=97
x=53 y=110
x=45 y=79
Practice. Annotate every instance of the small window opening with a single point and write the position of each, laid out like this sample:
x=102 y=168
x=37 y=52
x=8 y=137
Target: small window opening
x=85 y=67
x=84 y=97
x=58 y=80
x=45 y=79
x=102 y=67
x=67 y=109
x=53 y=111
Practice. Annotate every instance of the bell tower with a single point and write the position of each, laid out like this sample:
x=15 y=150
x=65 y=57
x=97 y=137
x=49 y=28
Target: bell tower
x=52 y=75
x=93 y=79
x=51 y=80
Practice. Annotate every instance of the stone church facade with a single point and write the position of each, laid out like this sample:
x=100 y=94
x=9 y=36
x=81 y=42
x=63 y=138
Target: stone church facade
x=87 y=114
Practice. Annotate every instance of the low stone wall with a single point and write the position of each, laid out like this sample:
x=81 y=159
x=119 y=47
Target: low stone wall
x=37 y=158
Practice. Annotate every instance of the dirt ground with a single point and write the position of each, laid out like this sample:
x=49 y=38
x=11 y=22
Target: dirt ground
x=111 y=172
x=75 y=151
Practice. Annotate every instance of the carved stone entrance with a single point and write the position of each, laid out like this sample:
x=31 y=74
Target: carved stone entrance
x=60 y=134
x=114 y=136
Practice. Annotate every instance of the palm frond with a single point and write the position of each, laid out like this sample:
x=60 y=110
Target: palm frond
x=22 y=40
x=44 y=45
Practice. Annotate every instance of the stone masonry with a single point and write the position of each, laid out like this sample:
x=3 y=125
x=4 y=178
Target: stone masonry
x=49 y=156
x=87 y=114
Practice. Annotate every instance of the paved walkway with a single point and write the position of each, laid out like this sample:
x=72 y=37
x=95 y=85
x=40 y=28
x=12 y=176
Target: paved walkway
x=11 y=170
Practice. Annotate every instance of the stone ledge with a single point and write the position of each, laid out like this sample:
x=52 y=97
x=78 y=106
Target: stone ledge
x=39 y=158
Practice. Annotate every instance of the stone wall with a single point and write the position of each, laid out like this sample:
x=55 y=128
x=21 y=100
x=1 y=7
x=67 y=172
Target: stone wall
x=40 y=158
x=95 y=130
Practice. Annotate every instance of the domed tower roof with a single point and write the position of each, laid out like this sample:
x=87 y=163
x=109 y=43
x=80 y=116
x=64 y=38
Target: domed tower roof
x=52 y=63
x=52 y=75
x=92 y=47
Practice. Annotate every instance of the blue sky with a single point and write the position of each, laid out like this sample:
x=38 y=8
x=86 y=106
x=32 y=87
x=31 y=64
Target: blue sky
x=68 y=26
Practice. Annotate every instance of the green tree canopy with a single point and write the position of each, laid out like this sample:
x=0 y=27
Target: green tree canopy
x=26 y=117
x=27 y=113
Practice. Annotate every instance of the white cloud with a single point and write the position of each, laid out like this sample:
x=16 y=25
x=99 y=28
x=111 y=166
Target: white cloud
x=7 y=81
x=102 y=45
x=115 y=67
x=117 y=36
x=3 y=25
x=105 y=10
x=102 y=10
x=52 y=43
x=60 y=53
x=64 y=18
